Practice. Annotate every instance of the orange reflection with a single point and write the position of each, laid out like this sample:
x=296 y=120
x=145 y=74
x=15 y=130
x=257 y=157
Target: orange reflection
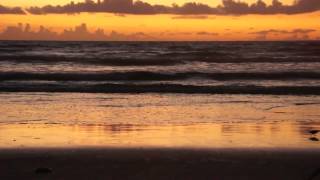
x=244 y=135
x=149 y=120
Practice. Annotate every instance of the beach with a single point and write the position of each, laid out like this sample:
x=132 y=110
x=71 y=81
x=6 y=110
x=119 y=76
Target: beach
x=159 y=110
x=141 y=163
x=99 y=141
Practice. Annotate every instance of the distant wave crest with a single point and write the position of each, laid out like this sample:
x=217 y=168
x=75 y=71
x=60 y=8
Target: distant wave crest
x=163 y=88
x=154 y=76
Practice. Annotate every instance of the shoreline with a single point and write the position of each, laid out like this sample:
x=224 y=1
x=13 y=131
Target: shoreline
x=164 y=89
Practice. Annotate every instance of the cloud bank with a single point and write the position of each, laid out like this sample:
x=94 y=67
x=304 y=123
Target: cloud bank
x=8 y=10
x=228 y=7
x=296 y=34
x=81 y=33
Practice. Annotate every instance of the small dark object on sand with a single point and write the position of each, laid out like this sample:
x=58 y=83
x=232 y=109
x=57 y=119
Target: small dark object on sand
x=313 y=139
x=314 y=132
x=43 y=171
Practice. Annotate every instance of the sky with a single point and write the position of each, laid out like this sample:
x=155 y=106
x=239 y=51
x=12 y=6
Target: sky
x=232 y=20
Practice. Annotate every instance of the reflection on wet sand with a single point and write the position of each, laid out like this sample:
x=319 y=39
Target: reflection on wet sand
x=243 y=135
x=200 y=121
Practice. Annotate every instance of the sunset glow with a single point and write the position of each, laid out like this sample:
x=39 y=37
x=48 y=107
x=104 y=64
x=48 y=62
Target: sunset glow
x=150 y=89
x=126 y=26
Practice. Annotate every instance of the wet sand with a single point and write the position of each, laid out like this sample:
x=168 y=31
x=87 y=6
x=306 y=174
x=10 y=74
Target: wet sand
x=135 y=163
x=148 y=120
x=116 y=136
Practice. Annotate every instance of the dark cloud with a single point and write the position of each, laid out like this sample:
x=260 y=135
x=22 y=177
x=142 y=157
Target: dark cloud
x=111 y=6
x=277 y=7
x=192 y=8
x=295 y=34
x=7 y=10
x=81 y=32
x=228 y=7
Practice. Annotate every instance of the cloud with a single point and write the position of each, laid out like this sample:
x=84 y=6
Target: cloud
x=277 y=7
x=111 y=6
x=295 y=34
x=201 y=33
x=8 y=10
x=204 y=33
x=178 y=33
x=303 y=31
x=270 y=31
x=192 y=8
x=228 y=7
x=120 y=15
x=81 y=32
x=190 y=17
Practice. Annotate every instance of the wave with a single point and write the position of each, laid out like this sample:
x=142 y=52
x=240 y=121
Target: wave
x=154 y=76
x=163 y=88
x=88 y=60
x=158 y=53
x=163 y=60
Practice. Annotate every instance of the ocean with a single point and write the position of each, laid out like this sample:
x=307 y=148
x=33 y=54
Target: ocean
x=163 y=94
x=161 y=67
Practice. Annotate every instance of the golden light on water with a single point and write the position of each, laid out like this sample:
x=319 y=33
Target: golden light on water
x=75 y=120
x=246 y=135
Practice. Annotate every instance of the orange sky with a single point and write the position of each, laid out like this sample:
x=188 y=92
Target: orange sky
x=174 y=27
